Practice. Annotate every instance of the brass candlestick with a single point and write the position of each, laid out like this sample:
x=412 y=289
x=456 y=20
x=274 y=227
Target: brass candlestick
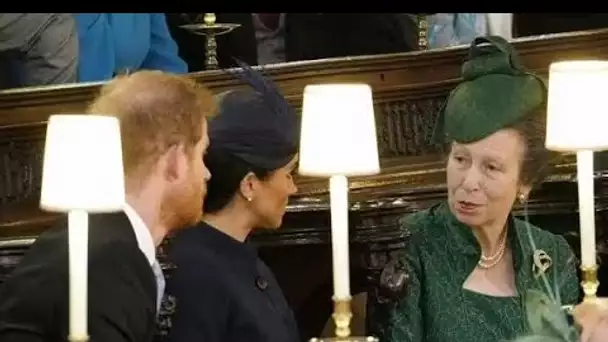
x=422 y=32
x=210 y=29
x=342 y=316
x=589 y=282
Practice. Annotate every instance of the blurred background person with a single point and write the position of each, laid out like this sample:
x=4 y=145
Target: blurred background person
x=531 y=24
x=114 y=43
x=450 y=29
x=37 y=49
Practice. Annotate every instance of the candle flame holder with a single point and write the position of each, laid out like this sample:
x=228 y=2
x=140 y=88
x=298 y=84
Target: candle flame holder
x=422 y=32
x=589 y=282
x=210 y=29
x=342 y=317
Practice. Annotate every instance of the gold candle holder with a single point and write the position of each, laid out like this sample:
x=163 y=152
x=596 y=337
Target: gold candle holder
x=342 y=317
x=210 y=29
x=78 y=339
x=422 y=32
x=589 y=282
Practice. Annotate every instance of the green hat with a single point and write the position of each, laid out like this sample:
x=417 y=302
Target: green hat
x=495 y=93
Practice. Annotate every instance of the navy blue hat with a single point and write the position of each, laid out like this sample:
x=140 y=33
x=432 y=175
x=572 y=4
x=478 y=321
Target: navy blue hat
x=257 y=124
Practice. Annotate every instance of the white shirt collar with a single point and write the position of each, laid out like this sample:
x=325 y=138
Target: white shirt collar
x=142 y=234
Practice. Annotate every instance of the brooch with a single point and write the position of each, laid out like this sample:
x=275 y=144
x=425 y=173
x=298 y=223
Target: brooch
x=164 y=317
x=542 y=262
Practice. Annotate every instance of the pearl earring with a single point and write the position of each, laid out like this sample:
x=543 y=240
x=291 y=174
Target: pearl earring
x=522 y=198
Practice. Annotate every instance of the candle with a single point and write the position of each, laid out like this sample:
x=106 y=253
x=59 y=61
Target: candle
x=78 y=233
x=338 y=196
x=586 y=207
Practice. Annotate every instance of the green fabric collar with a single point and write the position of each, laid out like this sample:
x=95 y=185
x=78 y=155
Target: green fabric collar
x=465 y=242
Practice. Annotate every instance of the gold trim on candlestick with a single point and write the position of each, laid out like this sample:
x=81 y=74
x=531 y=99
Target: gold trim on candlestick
x=345 y=339
x=589 y=282
x=422 y=32
x=78 y=339
x=342 y=316
x=210 y=29
x=209 y=19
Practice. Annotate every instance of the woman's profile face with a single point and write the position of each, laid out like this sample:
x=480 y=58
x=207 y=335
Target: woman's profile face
x=272 y=195
x=483 y=178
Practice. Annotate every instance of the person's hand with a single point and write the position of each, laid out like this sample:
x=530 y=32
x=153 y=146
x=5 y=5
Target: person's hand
x=592 y=316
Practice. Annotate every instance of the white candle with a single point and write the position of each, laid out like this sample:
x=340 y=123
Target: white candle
x=78 y=232
x=586 y=207
x=338 y=196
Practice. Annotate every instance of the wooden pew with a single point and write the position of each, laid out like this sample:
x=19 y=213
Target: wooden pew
x=409 y=89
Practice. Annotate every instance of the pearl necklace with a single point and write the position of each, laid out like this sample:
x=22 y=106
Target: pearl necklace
x=487 y=262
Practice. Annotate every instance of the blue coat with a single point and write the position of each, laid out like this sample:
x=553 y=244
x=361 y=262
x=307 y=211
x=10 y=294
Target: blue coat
x=223 y=292
x=111 y=43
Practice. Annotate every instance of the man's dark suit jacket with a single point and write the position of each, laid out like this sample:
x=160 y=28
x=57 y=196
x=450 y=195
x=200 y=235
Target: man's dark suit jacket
x=307 y=36
x=122 y=287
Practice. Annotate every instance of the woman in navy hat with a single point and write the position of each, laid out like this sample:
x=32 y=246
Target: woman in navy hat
x=221 y=290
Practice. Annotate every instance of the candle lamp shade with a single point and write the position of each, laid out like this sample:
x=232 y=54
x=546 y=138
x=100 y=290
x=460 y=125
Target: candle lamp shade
x=338 y=140
x=577 y=121
x=577 y=115
x=338 y=131
x=82 y=167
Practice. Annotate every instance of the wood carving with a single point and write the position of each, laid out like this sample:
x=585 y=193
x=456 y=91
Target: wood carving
x=20 y=164
x=409 y=90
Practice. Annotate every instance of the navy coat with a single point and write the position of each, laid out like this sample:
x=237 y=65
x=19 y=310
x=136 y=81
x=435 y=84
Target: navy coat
x=223 y=292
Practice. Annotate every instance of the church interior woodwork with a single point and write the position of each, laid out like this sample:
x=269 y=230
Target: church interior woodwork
x=409 y=90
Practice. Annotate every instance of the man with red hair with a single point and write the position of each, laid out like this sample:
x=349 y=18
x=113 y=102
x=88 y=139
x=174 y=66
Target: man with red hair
x=164 y=136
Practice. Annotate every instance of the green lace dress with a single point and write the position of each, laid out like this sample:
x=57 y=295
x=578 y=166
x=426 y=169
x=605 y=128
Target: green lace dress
x=440 y=256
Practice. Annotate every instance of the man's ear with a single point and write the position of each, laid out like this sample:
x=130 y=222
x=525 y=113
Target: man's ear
x=175 y=163
x=248 y=186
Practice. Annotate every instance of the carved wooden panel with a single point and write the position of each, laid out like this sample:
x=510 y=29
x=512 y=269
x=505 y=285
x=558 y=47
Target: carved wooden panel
x=405 y=128
x=21 y=152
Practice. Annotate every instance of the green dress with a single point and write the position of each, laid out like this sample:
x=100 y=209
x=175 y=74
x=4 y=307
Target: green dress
x=441 y=254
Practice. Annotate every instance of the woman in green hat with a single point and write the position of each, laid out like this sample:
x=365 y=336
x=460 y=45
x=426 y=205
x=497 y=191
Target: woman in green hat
x=475 y=270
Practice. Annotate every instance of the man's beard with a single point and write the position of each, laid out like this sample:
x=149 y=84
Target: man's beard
x=183 y=209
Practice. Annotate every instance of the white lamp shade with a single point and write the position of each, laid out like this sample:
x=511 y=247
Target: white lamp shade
x=82 y=167
x=338 y=131
x=577 y=116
